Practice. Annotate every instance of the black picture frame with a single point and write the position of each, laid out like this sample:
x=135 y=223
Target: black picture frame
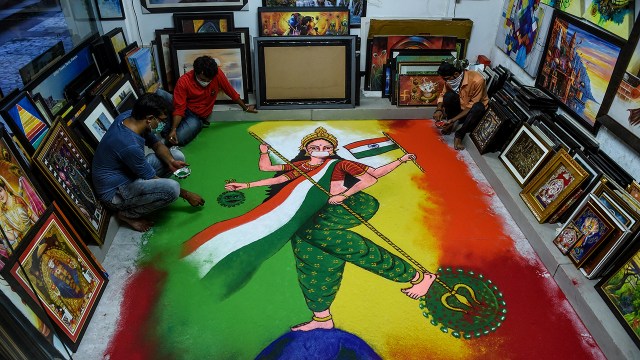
x=551 y=74
x=487 y=129
x=180 y=18
x=83 y=122
x=343 y=95
x=113 y=43
x=246 y=41
x=193 y=5
x=306 y=21
x=102 y=11
x=163 y=48
x=117 y=104
x=178 y=49
x=25 y=121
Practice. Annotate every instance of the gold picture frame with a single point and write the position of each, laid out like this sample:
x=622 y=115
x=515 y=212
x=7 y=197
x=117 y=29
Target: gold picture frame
x=634 y=190
x=552 y=185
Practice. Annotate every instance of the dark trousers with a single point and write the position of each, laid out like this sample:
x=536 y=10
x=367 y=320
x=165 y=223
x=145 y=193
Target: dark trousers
x=451 y=104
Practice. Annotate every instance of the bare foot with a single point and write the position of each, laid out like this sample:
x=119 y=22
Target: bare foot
x=420 y=289
x=312 y=325
x=457 y=144
x=139 y=224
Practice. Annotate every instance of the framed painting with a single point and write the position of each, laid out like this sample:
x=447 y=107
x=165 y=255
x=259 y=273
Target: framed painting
x=203 y=22
x=619 y=290
x=595 y=173
x=121 y=97
x=487 y=128
x=634 y=190
x=616 y=18
x=524 y=154
x=568 y=236
x=68 y=172
x=163 y=46
x=22 y=199
x=26 y=121
x=596 y=225
x=320 y=21
x=229 y=57
x=577 y=66
x=617 y=206
x=144 y=68
x=110 y=9
x=622 y=102
x=386 y=91
x=573 y=7
x=170 y=6
x=246 y=41
x=419 y=90
x=357 y=8
x=66 y=280
x=553 y=184
x=96 y=119
x=43 y=109
x=116 y=41
x=522 y=31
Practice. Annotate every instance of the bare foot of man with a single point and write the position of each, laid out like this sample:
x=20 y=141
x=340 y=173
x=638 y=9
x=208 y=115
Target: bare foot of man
x=457 y=144
x=139 y=224
x=320 y=320
x=421 y=288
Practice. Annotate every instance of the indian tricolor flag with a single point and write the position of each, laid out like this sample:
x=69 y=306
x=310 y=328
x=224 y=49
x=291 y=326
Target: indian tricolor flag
x=371 y=147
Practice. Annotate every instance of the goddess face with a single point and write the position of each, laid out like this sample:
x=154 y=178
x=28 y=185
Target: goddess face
x=320 y=148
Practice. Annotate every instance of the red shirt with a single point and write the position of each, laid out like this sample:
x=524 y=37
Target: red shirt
x=189 y=94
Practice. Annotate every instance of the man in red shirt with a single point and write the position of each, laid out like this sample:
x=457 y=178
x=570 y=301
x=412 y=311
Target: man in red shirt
x=193 y=98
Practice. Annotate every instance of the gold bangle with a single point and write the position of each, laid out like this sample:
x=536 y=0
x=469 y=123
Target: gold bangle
x=264 y=153
x=322 y=319
x=420 y=278
x=248 y=185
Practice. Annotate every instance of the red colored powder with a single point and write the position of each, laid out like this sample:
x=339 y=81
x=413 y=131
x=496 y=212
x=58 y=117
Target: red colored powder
x=134 y=338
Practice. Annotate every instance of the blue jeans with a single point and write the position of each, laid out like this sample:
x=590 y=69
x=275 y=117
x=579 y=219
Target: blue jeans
x=142 y=197
x=188 y=128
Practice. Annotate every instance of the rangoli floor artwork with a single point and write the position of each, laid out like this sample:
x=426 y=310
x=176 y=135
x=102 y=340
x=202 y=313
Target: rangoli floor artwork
x=223 y=281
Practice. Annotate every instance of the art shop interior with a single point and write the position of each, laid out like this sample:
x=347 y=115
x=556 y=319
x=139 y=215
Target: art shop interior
x=526 y=219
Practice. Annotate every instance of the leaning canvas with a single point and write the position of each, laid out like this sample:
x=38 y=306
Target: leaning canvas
x=614 y=16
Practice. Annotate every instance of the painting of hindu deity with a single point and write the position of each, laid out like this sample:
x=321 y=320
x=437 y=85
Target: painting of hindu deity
x=63 y=276
x=614 y=16
x=379 y=52
x=419 y=90
x=577 y=67
x=298 y=22
x=524 y=154
x=621 y=292
x=568 y=236
x=68 y=171
x=486 y=129
x=357 y=8
x=594 y=223
x=522 y=32
x=21 y=200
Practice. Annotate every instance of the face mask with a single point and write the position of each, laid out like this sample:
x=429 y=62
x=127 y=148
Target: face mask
x=160 y=127
x=203 y=83
x=320 y=154
x=455 y=83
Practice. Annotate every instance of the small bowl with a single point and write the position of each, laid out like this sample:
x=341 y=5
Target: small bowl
x=182 y=172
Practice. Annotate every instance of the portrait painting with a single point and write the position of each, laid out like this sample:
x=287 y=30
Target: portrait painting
x=593 y=222
x=568 y=236
x=303 y=21
x=419 y=90
x=68 y=171
x=357 y=8
x=229 y=57
x=63 y=276
x=620 y=292
x=522 y=32
x=577 y=67
x=21 y=199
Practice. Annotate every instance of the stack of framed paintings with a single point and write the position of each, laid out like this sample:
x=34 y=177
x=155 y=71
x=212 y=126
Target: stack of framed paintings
x=68 y=172
x=303 y=21
x=143 y=68
x=414 y=78
x=524 y=154
x=552 y=185
x=577 y=66
x=357 y=8
x=57 y=273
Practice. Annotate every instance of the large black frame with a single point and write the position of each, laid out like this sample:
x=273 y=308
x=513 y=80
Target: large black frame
x=166 y=77
x=594 y=31
x=102 y=17
x=355 y=15
x=194 y=5
x=179 y=17
x=350 y=71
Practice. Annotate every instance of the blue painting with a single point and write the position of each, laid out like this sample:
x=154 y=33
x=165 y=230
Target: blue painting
x=594 y=230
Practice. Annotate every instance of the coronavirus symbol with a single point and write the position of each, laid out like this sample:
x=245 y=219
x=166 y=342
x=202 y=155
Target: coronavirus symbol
x=231 y=198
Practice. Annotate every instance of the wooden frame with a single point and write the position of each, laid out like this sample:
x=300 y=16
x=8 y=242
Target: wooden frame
x=167 y=6
x=203 y=22
x=230 y=58
x=524 y=154
x=486 y=129
x=618 y=290
x=26 y=194
x=280 y=63
x=596 y=224
x=68 y=172
x=303 y=21
x=581 y=102
x=357 y=9
x=634 y=190
x=26 y=121
x=94 y=121
x=553 y=184
x=56 y=243
x=419 y=90
x=110 y=9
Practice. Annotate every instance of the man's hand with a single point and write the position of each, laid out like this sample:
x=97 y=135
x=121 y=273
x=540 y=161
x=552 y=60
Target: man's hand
x=176 y=164
x=438 y=115
x=251 y=109
x=193 y=198
x=172 y=137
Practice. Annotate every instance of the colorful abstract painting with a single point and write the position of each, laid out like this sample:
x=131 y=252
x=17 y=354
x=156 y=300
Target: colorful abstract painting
x=287 y=22
x=593 y=223
x=357 y=8
x=614 y=16
x=577 y=67
x=182 y=303
x=522 y=32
